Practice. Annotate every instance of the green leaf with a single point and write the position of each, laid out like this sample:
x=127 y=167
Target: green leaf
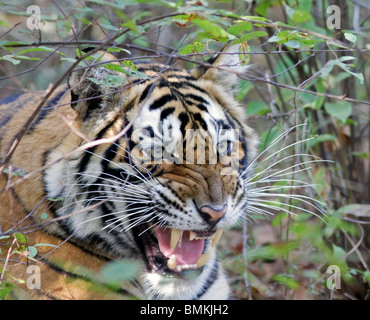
x=111 y=81
x=350 y=37
x=286 y=280
x=292 y=44
x=44 y=215
x=37 y=49
x=10 y=58
x=117 y=49
x=331 y=63
x=301 y=16
x=117 y=272
x=278 y=219
x=338 y=253
x=254 y=18
x=366 y=276
x=32 y=251
x=195 y=47
x=244 y=87
x=320 y=179
x=212 y=30
x=21 y=238
x=261 y=9
x=275 y=38
x=258 y=108
x=115 y=67
x=289 y=11
x=346 y=67
x=319 y=101
x=72 y=60
x=238 y=28
x=268 y=136
x=364 y=155
x=356 y=209
x=327 y=68
x=340 y=110
x=253 y=35
x=346 y=58
x=320 y=139
x=5 y=288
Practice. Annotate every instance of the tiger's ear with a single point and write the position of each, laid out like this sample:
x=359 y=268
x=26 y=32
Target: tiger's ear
x=95 y=88
x=223 y=69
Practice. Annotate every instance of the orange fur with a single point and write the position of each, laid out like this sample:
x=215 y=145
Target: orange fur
x=26 y=196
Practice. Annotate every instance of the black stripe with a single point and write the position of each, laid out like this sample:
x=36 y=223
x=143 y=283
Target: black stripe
x=11 y=99
x=90 y=152
x=144 y=94
x=202 y=107
x=180 y=77
x=184 y=118
x=210 y=280
x=223 y=125
x=166 y=112
x=243 y=162
x=155 y=68
x=149 y=130
x=129 y=106
x=12 y=111
x=195 y=97
x=160 y=102
x=81 y=276
x=45 y=110
x=109 y=154
x=198 y=117
x=179 y=85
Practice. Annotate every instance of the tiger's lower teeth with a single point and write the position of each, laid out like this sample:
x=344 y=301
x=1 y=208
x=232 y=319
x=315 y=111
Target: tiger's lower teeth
x=172 y=263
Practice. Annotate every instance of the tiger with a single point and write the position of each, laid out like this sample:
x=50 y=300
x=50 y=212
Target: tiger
x=149 y=172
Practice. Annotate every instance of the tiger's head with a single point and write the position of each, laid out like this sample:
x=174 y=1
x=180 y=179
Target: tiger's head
x=163 y=175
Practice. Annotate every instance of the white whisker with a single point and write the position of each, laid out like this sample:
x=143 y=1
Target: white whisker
x=276 y=140
x=289 y=196
x=267 y=204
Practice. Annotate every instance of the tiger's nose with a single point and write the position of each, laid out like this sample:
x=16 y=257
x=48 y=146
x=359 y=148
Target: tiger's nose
x=213 y=214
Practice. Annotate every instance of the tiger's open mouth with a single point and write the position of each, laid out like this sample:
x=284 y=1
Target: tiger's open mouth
x=175 y=251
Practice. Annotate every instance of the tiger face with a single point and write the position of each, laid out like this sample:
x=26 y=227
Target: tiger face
x=164 y=177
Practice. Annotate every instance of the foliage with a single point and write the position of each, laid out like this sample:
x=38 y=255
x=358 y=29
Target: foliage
x=302 y=72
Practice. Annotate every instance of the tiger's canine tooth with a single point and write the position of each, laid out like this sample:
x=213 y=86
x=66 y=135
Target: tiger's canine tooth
x=171 y=262
x=192 y=235
x=203 y=259
x=216 y=237
x=175 y=237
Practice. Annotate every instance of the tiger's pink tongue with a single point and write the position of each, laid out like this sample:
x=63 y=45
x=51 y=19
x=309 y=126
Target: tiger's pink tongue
x=187 y=252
